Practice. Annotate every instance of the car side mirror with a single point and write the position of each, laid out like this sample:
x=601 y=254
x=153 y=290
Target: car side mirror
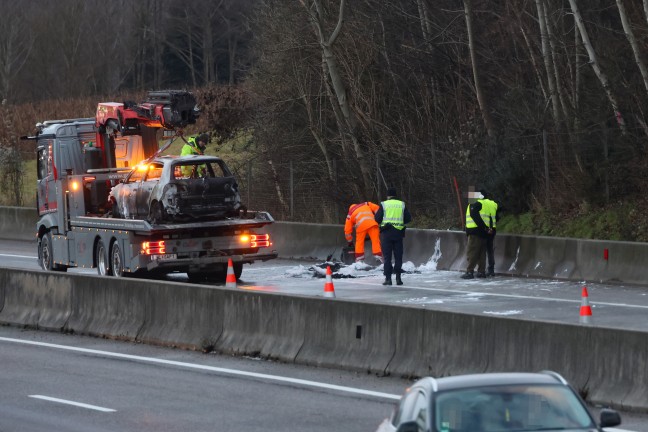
x=410 y=426
x=610 y=417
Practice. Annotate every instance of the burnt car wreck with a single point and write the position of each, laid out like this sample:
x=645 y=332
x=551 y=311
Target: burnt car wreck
x=177 y=189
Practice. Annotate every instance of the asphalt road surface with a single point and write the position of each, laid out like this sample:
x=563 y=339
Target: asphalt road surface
x=51 y=381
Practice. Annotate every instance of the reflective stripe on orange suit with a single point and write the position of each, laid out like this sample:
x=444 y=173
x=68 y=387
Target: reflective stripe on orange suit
x=361 y=216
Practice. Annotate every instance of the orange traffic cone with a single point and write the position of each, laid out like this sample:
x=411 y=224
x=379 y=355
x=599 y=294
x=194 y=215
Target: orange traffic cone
x=585 y=309
x=230 y=281
x=329 y=290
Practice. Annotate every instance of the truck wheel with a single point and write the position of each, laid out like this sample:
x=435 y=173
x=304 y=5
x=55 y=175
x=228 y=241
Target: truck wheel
x=46 y=255
x=101 y=258
x=117 y=260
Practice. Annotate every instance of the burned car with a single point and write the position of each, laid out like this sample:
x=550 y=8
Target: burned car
x=177 y=189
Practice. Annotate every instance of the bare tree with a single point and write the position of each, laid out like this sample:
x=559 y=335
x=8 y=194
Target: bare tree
x=481 y=97
x=317 y=16
x=602 y=77
x=15 y=48
x=627 y=28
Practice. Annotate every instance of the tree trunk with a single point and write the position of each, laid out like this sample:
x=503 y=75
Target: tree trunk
x=627 y=28
x=481 y=98
x=597 y=69
x=317 y=18
x=547 y=62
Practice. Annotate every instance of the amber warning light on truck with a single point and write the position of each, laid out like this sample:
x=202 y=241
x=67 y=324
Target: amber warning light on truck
x=256 y=240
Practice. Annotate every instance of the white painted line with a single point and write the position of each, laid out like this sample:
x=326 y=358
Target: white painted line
x=154 y=360
x=67 y=402
x=479 y=293
x=19 y=256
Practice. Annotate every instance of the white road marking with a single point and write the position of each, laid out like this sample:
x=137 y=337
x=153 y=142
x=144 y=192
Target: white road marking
x=67 y=402
x=19 y=256
x=516 y=296
x=154 y=360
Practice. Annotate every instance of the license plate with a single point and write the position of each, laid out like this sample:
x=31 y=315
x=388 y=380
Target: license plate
x=163 y=257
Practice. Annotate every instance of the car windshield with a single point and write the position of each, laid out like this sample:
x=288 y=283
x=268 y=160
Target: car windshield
x=510 y=408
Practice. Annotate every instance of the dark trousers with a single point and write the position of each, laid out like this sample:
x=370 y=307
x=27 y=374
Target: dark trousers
x=476 y=253
x=391 y=241
x=490 y=252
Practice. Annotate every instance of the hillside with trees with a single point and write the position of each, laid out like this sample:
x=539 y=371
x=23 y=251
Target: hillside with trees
x=320 y=103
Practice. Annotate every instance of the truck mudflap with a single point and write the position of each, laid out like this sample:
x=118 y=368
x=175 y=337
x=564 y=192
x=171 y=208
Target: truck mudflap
x=179 y=263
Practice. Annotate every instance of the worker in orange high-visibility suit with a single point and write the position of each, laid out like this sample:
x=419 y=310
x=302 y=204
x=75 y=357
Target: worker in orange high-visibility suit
x=361 y=217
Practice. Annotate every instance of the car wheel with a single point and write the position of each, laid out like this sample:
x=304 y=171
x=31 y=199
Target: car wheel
x=157 y=214
x=46 y=255
x=101 y=258
x=117 y=260
x=115 y=208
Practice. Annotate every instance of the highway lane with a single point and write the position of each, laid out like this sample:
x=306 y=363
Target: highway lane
x=616 y=306
x=59 y=382
x=52 y=381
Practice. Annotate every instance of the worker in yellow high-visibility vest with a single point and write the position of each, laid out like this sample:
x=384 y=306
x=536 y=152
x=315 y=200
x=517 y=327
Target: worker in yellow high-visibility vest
x=477 y=232
x=392 y=216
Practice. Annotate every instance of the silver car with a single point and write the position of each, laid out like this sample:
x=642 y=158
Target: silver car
x=177 y=188
x=495 y=402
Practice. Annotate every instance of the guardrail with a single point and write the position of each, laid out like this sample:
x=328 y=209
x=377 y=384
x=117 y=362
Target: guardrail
x=609 y=366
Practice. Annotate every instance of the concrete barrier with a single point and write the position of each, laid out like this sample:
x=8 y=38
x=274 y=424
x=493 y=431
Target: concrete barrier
x=18 y=223
x=35 y=299
x=111 y=308
x=263 y=324
x=528 y=256
x=181 y=315
x=609 y=366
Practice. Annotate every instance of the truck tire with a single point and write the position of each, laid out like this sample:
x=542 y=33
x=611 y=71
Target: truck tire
x=46 y=255
x=102 y=260
x=117 y=260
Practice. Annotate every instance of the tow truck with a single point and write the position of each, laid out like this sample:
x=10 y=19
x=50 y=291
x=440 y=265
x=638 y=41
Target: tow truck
x=80 y=160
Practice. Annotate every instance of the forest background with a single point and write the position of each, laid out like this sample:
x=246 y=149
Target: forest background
x=317 y=104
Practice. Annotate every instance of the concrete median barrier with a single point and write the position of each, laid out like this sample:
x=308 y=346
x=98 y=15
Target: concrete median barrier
x=35 y=299
x=351 y=335
x=262 y=324
x=111 y=308
x=18 y=223
x=183 y=316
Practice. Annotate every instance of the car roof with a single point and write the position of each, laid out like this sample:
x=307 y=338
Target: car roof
x=489 y=379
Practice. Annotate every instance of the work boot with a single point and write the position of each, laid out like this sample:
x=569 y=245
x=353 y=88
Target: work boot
x=387 y=280
x=490 y=273
x=481 y=275
x=467 y=275
x=398 y=280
